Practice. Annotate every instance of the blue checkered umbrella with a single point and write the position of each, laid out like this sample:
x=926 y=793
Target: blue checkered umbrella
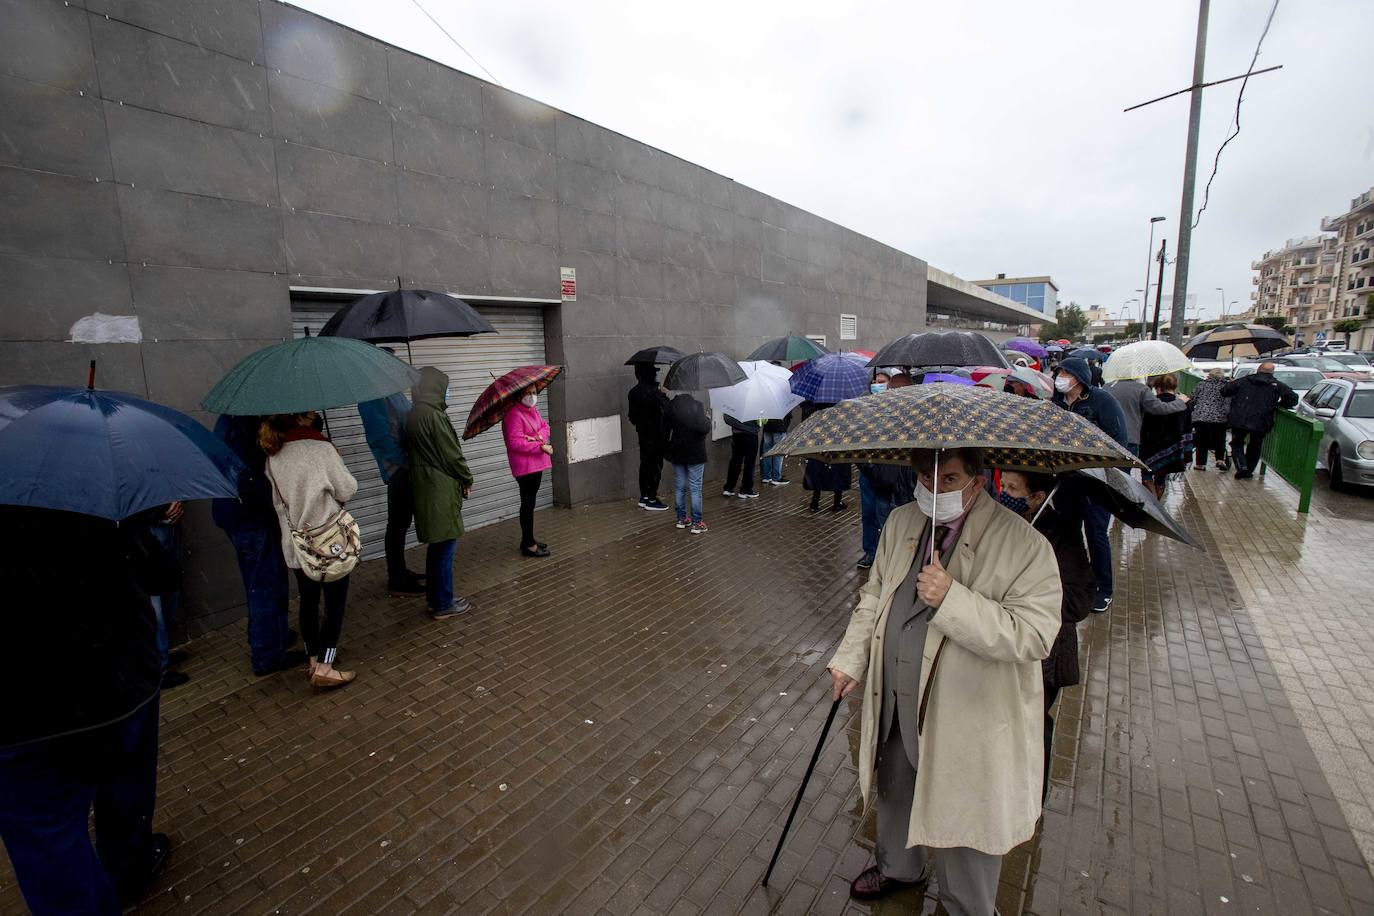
x=830 y=379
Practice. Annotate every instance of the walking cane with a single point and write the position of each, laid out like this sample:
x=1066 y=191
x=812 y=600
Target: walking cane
x=835 y=707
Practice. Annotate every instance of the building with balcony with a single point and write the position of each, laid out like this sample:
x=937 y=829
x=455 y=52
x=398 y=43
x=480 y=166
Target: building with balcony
x=1352 y=288
x=1296 y=282
x=1037 y=293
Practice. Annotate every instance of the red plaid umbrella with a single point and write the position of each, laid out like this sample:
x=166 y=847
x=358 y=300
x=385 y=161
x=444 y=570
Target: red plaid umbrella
x=492 y=404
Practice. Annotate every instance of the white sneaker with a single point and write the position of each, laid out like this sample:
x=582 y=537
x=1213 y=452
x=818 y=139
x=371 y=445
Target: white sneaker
x=728 y=493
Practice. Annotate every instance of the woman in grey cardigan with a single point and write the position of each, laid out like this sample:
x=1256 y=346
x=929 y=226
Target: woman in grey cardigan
x=1210 y=410
x=310 y=485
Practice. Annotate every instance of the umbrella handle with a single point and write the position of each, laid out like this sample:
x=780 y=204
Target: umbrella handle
x=90 y=377
x=815 y=755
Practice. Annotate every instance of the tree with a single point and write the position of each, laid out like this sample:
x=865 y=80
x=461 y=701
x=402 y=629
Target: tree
x=1277 y=322
x=1347 y=326
x=1071 y=321
x=1049 y=332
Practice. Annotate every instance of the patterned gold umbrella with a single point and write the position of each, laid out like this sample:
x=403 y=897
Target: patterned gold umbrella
x=1018 y=434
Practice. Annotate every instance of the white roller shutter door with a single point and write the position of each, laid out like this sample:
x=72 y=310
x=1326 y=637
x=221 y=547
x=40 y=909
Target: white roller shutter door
x=471 y=363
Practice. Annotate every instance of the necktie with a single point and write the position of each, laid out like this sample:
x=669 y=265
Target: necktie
x=941 y=532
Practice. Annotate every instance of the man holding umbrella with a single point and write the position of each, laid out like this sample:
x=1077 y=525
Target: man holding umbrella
x=648 y=401
x=953 y=714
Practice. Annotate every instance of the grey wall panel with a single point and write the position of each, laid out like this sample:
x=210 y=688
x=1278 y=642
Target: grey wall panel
x=181 y=372
x=119 y=367
x=339 y=246
x=187 y=230
x=586 y=143
x=47 y=42
x=142 y=68
x=181 y=303
x=522 y=269
x=315 y=49
x=52 y=129
x=524 y=219
x=166 y=152
x=586 y=187
x=515 y=117
x=439 y=148
x=639 y=238
x=231 y=26
x=446 y=260
x=330 y=182
x=58 y=216
x=520 y=169
x=420 y=85
x=331 y=118
x=45 y=296
x=436 y=202
x=585 y=230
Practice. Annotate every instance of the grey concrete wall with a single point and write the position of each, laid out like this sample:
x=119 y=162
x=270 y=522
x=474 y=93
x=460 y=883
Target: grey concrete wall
x=188 y=161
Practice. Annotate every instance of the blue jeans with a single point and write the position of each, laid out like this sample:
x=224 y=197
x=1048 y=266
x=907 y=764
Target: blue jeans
x=265 y=586
x=873 y=511
x=771 y=468
x=439 y=574
x=688 y=478
x=47 y=789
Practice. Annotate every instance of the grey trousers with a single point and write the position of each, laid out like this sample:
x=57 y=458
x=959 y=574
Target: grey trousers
x=967 y=877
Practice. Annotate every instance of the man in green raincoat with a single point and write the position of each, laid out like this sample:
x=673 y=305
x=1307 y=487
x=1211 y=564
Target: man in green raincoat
x=441 y=481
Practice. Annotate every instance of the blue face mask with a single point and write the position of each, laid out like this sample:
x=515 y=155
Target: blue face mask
x=1016 y=504
x=877 y=387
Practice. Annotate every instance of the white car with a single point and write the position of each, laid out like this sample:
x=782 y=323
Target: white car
x=1203 y=366
x=1345 y=408
x=1301 y=380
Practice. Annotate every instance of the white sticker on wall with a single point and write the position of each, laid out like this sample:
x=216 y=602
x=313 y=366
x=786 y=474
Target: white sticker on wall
x=101 y=329
x=593 y=438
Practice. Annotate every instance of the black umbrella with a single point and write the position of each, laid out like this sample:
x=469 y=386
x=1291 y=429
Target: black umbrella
x=940 y=348
x=701 y=371
x=406 y=314
x=1235 y=339
x=788 y=350
x=1126 y=498
x=658 y=356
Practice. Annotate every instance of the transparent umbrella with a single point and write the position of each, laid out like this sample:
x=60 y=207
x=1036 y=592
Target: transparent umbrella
x=1143 y=359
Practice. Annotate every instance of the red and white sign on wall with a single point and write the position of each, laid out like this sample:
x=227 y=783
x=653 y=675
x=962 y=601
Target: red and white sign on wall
x=568 y=283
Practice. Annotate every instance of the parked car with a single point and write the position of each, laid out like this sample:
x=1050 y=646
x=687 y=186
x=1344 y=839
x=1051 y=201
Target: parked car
x=1345 y=409
x=1327 y=365
x=1301 y=380
x=1349 y=358
x=1201 y=366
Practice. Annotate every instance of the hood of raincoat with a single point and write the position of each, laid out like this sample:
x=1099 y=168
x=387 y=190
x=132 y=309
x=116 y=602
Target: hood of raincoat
x=1079 y=369
x=432 y=386
x=646 y=372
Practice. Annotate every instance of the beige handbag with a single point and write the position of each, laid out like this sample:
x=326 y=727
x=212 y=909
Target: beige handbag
x=330 y=551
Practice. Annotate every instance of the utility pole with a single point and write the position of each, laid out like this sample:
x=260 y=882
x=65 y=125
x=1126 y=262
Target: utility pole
x=1149 y=256
x=1185 y=218
x=1159 y=294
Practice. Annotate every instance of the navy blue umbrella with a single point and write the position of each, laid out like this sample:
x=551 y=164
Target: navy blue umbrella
x=1089 y=353
x=105 y=453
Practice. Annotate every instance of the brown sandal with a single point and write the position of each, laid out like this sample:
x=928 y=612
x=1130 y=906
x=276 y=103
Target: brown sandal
x=331 y=680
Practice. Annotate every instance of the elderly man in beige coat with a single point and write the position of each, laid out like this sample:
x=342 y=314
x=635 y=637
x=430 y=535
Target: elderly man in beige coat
x=953 y=710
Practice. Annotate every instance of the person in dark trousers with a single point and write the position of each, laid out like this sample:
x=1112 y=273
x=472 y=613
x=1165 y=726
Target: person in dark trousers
x=1254 y=399
x=648 y=401
x=744 y=452
x=441 y=480
x=822 y=477
x=251 y=525
x=529 y=454
x=686 y=427
x=1138 y=400
x=882 y=488
x=1166 y=440
x=384 y=422
x=1211 y=409
x=1028 y=494
x=89 y=737
x=1074 y=391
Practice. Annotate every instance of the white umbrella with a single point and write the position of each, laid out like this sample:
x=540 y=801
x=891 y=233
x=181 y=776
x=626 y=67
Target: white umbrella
x=1143 y=359
x=764 y=395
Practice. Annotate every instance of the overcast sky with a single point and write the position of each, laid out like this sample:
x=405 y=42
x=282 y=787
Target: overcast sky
x=985 y=137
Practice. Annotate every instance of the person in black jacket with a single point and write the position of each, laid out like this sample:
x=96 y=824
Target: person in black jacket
x=1065 y=534
x=686 y=427
x=822 y=477
x=1254 y=399
x=744 y=451
x=252 y=526
x=648 y=401
x=84 y=735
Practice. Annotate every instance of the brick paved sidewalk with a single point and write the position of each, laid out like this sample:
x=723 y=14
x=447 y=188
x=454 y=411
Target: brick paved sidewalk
x=620 y=729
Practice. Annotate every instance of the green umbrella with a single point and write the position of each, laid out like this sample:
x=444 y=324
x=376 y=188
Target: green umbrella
x=310 y=373
x=1017 y=434
x=789 y=349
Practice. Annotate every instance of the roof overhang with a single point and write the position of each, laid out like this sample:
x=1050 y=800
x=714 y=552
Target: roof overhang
x=951 y=295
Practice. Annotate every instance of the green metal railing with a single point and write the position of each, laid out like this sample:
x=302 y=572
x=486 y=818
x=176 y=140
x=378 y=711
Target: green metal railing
x=1291 y=450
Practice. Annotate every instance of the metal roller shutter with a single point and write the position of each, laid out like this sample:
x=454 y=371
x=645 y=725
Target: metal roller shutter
x=470 y=363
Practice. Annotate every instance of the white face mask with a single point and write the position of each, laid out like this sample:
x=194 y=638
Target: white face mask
x=1062 y=383
x=530 y=400
x=944 y=507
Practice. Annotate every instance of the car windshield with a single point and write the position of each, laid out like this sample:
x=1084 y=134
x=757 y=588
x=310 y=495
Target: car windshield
x=1324 y=363
x=1349 y=359
x=1361 y=406
x=1299 y=379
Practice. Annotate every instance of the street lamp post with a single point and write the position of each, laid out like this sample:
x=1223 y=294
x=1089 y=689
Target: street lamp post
x=1149 y=259
x=1223 y=303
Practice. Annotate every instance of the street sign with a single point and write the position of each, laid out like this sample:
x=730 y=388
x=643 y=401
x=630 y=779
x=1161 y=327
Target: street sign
x=568 y=283
x=1320 y=337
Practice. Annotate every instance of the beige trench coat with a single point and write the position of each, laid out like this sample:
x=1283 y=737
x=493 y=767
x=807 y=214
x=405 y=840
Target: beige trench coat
x=981 y=748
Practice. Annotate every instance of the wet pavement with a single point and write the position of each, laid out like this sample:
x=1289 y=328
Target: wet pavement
x=620 y=729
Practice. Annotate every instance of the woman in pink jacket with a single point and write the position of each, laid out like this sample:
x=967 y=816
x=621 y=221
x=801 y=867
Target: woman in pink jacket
x=530 y=455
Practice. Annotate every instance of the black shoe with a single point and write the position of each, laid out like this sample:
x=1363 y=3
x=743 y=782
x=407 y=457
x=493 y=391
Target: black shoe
x=815 y=507
x=460 y=605
x=538 y=551
x=412 y=585
x=172 y=679
x=1244 y=475
x=131 y=888
x=652 y=505
x=839 y=505
x=1101 y=604
x=865 y=561
x=292 y=659
x=177 y=656
x=874 y=885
